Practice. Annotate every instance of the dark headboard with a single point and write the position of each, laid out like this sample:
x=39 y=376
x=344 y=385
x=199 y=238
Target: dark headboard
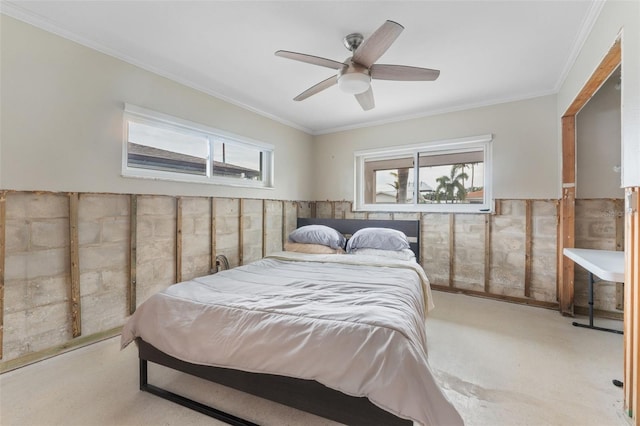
x=347 y=227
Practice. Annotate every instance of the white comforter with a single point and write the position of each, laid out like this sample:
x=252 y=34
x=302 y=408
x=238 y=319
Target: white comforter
x=352 y=323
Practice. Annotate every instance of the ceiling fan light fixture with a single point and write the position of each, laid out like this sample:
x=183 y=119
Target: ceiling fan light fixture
x=354 y=83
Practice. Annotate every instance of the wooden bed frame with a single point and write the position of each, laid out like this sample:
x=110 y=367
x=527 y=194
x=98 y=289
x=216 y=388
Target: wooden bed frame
x=305 y=395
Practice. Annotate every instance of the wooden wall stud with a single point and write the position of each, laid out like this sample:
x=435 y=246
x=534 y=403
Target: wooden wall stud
x=178 y=239
x=528 y=247
x=3 y=216
x=212 y=261
x=452 y=250
x=619 y=219
x=264 y=228
x=76 y=309
x=487 y=253
x=133 y=251
x=632 y=305
x=240 y=231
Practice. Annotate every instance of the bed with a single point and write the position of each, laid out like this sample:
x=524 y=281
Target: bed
x=337 y=335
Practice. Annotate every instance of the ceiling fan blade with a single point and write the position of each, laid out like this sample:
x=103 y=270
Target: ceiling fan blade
x=373 y=47
x=324 y=84
x=310 y=59
x=366 y=99
x=403 y=73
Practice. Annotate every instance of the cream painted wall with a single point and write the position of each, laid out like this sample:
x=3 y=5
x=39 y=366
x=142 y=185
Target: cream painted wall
x=525 y=146
x=617 y=16
x=598 y=144
x=61 y=121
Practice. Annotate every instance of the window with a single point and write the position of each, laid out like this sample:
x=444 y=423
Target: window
x=444 y=176
x=164 y=147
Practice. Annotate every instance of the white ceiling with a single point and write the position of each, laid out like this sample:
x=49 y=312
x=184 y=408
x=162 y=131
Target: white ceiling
x=488 y=51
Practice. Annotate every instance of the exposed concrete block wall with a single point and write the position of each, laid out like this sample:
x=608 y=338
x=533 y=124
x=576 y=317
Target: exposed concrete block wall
x=453 y=248
x=544 y=250
x=37 y=266
x=196 y=237
x=306 y=209
x=156 y=240
x=290 y=218
x=251 y=230
x=468 y=253
x=508 y=249
x=342 y=209
x=227 y=228
x=435 y=247
x=37 y=272
x=273 y=226
x=103 y=247
x=324 y=210
x=599 y=225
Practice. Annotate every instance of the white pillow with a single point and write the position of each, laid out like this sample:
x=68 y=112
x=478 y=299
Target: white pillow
x=378 y=238
x=318 y=234
x=404 y=254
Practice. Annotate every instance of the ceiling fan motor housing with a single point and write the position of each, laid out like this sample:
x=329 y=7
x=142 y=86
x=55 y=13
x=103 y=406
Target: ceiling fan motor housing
x=354 y=78
x=352 y=41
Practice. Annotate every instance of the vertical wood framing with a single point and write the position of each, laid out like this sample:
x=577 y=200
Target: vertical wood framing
x=487 y=252
x=133 y=251
x=264 y=228
x=284 y=222
x=632 y=304
x=421 y=239
x=566 y=271
x=3 y=217
x=567 y=206
x=212 y=261
x=619 y=219
x=178 y=239
x=313 y=209
x=528 y=247
x=333 y=210
x=619 y=223
x=240 y=231
x=567 y=215
x=452 y=224
x=76 y=313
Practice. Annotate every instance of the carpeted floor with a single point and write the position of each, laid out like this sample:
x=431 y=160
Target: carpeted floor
x=499 y=363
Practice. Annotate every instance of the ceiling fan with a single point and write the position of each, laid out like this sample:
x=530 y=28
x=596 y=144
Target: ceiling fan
x=356 y=72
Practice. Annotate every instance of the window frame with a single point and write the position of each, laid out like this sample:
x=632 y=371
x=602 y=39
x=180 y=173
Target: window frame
x=159 y=120
x=459 y=145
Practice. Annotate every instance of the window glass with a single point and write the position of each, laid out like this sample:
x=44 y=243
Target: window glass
x=444 y=176
x=391 y=181
x=156 y=148
x=451 y=179
x=236 y=160
x=163 y=147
